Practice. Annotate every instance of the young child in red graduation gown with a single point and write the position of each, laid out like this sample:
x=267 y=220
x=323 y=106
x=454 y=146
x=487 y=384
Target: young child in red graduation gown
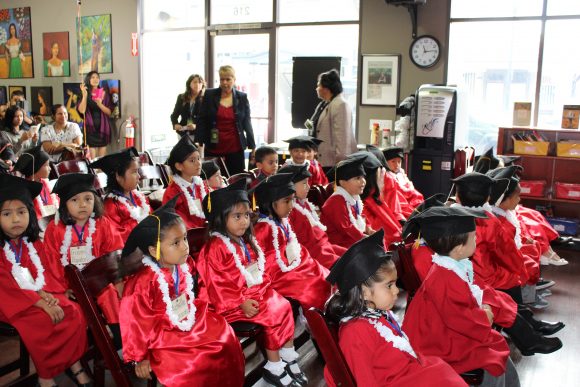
x=33 y=301
x=165 y=329
x=266 y=162
x=447 y=316
x=124 y=205
x=311 y=233
x=394 y=157
x=185 y=163
x=375 y=347
x=315 y=167
x=294 y=273
x=80 y=233
x=212 y=176
x=342 y=213
x=234 y=279
x=300 y=147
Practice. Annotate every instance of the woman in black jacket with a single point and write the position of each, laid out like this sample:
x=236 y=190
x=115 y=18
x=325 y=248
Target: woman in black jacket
x=186 y=110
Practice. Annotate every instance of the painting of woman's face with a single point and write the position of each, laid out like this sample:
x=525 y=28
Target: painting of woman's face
x=54 y=49
x=12 y=31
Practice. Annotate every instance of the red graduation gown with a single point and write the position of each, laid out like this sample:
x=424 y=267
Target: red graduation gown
x=537 y=227
x=181 y=206
x=445 y=320
x=405 y=186
x=380 y=216
x=120 y=217
x=339 y=228
x=53 y=347
x=394 y=198
x=105 y=240
x=225 y=288
x=46 y=198
x=306 y=283
x=208 y=354
x=318 y=176
x=314 y=238
x=374 y=361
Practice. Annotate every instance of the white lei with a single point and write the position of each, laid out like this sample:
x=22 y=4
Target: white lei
x=184 y=185
x=17 y=270
x=511 y=217
x=293 y=249
x=186 y=323
x=68 y=239
x=400 y=342
x=475 y=290
x=231 y=248
x=137 y=213
x=486 y=207
x=311 y=215
x=358 y=222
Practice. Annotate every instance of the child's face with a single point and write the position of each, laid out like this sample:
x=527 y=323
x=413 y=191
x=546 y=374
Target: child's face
x=512 y=202
x=174 y=246
x=81 y=206
x=130 y=180
x=394 y=164
x=282 y=207
x=238 y=220
x=354 y=185
x=298 y=155
x=191 y=166
x=216 y=181
x=382 y=295
x=44 y=171
x=14 y=218
x=310 y=154
x=302 y=187
x=269 y=165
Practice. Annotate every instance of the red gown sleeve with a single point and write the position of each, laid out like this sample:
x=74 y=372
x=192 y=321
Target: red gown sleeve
x=391 y=196
x=14 y=299
x=378 y=216
x=422 y=257
x=181 y=207
x=340 y=230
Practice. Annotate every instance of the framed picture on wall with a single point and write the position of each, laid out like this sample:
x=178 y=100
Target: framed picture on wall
x=16 y=43
x=72 y=97
x=3 y=95
x=380 y=80
x=41 y=99
x=55 y=54
x=94 y=47
x=113 y=88
x=12 y=89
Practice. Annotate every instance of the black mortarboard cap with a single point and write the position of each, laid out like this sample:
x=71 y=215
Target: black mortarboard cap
x=208 y=169
x=215 y=202
x=316 y=142
x=347 y=169
x=110 y=163
x=378 y=154
x=300 y=172
x=30 y=161
x=304 y=142
x=478 y=182
x=507 y=174
x=370 y=161
x=391 y=153
x=72 y=184
x=274 y=187
x=486 y=162
x=13 y=187
x=437 y=200
x=359 y=262
x=437 y=222
x=509 y=160
x=181 y=150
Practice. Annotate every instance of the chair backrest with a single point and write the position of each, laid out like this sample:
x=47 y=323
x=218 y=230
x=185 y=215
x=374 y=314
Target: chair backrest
x=463 y=161
x=196 y=237
x=326 y=336
x=151 y=177
x=72 y=166
x=101 y=183
x=145 y=158
x=315 y=195
x=405 y=268
x=327 y=191
x=166 y=174
x=249 y=176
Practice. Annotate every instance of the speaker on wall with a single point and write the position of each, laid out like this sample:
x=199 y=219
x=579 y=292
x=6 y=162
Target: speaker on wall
x=305 y=71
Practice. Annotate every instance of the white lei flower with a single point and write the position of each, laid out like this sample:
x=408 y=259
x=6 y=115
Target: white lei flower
x=475 y=290
x=512 y=218
x=358 y=222
x=485 y=207
x=293 y=248
x=68 y=239
x=186 y=323
x=17 y=270
x=184 y=185
x=400 y=342
x=231 y=248
x=137 y=213
x=311 y=215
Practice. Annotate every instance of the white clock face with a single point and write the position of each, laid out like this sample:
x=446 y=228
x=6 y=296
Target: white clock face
x=425 y=51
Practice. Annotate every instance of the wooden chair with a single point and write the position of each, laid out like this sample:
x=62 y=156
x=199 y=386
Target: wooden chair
x=249 y=176
x=315 y=195
x=22 y=364
x=166 y=174
x=86 y=285
x=101 y=183
x=406 y=269
x=327 y=191
x=145 y=158
x=326 y=336
x=463 y=161
x=151 y=177
x=72 y=166
x=196 y=238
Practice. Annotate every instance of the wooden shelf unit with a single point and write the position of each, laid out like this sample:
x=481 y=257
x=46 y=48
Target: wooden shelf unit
x=550 y=168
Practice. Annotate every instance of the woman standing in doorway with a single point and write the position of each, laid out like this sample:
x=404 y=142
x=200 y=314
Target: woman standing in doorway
x=96 y=105
x=186 y=110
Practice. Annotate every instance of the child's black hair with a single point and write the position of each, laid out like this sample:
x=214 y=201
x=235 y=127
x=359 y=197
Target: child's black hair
x=112 y=183
x=470 y=197
x=267 y=209
x=352 y=303
x=32 y=232
x=372 y=187
x=262 y=152
x=219 y=224
x=67 y=219
x=444 y=245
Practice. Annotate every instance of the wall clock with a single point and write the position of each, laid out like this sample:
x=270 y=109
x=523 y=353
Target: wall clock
x=425 y=51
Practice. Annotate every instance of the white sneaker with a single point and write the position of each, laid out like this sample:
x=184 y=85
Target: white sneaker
x=551 y=258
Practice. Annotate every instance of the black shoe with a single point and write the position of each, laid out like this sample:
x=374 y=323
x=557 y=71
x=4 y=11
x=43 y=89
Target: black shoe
x=545 y=346
x=547 y=328
x=73 y=376
x=528 y=341
x=299 y=377
x=276 y=380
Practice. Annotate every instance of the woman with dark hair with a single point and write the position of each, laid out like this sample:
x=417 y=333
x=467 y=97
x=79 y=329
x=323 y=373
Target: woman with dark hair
x=13 y=52
x=20 y=139
x=186 y=110
x=332 y=121
x=96 y=105
x=61 y=135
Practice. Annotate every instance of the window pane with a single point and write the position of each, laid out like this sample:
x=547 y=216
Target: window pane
x=241 y=11
x=340 y=40
x=163 y=14
x=302 y=11
x=168 y=59
x=492 y=74
x=563 y=7
x=495 y=8
x=560 y=73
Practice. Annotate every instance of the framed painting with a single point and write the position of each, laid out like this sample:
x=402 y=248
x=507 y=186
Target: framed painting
x=55 y=54
x=41 y=100
x=16 y=43
x=72 y=97
x=113 y=88
x=3 y=95
x=380 y=80
x=12 y=89
x=94 y=44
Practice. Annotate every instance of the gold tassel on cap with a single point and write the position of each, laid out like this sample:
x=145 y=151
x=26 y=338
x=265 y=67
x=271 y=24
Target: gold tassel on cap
x=335 y=169
x=158 y=246
x=254 y=202
x=417 y=241
x=209 y=202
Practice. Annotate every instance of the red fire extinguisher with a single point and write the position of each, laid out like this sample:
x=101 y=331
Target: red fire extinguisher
x=130 y=132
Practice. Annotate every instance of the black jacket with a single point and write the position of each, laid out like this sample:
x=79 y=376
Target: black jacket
x=208 y=116
x=181 y=111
